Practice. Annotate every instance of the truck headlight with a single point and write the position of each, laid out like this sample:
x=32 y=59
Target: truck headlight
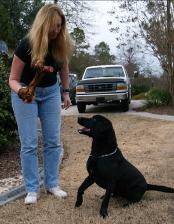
x=80 y=89
x=122 y=86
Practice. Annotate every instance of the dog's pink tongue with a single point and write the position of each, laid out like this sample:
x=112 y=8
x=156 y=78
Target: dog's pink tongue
x=83 y=129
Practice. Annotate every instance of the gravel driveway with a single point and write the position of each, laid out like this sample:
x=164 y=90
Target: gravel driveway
x=109 y=109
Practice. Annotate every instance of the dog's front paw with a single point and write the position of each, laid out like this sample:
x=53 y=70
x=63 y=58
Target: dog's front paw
x=79 y=201
x=103 y=213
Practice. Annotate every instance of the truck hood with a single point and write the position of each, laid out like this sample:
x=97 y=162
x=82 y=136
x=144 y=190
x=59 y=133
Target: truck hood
x=102 y=80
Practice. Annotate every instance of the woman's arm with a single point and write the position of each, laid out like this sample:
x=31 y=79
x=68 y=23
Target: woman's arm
x=15 y=74
x=64 y=76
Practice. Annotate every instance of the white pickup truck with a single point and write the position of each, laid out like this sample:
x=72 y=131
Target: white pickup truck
x=104 y=84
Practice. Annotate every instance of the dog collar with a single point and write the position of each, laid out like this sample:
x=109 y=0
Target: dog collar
x=105 y=155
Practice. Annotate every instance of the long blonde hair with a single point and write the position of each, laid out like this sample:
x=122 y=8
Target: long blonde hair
x=62 y=45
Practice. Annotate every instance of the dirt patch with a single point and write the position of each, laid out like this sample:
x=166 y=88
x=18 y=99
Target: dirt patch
x=145 y=142
x=10 y=161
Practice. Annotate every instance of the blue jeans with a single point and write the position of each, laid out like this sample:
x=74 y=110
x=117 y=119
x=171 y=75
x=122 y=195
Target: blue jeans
x=46 y=106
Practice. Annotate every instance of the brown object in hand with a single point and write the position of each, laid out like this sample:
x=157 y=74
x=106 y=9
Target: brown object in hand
x=27 y=93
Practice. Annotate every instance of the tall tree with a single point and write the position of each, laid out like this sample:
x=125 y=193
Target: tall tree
x=102 y=54
x=130 y=62
x=15 y=19
x=75 y=12
x=156 y=22
x=80 y=62
x=16 y=16
x=80 y=41
x=80 y=58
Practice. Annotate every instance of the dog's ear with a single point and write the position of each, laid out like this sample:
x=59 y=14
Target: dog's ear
x=101 y=125
x=104 y=132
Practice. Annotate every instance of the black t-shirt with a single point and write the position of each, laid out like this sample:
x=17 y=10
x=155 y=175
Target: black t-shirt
x=23 y=51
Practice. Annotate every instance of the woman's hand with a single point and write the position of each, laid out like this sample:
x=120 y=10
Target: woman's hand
x=26 y=95
x=67 y=101
x=29 y=101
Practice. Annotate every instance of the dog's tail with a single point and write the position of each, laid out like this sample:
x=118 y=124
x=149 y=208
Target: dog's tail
x=151 y=187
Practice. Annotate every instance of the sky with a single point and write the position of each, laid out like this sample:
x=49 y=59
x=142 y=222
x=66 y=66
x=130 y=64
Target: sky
x=100 y=28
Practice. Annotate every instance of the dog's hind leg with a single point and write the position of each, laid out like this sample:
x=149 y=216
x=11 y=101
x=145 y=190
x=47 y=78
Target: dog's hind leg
x=135 y=197
x=86 y=183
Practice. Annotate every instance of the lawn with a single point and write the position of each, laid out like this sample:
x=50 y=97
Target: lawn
x=145 y=142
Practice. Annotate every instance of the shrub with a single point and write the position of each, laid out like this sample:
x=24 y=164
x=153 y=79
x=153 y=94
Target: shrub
x=158 y=97
x=7 y=121
x=137 y=89
x=140 y=96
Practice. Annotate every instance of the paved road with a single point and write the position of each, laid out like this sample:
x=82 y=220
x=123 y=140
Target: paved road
x=105 y=108
x=113 y=109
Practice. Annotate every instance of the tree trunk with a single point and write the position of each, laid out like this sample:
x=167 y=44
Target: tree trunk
x=170 y=64
x=172 y=89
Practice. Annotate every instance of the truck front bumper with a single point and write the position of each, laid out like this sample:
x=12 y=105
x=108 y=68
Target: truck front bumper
x=101 y=98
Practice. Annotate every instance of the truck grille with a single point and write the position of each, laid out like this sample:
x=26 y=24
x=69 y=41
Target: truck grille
x=102 y=87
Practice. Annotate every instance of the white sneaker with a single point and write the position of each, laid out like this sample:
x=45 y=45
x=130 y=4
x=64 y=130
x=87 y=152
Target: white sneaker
x=31 y=198
x=57 y=192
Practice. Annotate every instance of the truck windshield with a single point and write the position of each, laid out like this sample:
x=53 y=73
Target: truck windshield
x=104 y=72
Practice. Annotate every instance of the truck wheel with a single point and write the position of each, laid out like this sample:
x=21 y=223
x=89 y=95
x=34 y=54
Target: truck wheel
x=125 y=105
x=81 y=107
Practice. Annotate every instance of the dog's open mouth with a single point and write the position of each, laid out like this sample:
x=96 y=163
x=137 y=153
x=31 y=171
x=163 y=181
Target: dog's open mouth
x=84 y=130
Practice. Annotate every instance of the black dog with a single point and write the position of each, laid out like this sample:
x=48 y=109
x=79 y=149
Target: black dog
x=108 y=168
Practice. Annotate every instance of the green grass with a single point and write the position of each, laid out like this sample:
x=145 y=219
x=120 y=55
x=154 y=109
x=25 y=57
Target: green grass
x=140 y=96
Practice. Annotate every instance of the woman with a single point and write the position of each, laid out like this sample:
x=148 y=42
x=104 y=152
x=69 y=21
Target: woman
x=47 y=46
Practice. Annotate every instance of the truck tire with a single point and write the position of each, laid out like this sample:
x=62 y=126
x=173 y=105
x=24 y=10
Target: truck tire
x=81 y=107
x=125 y=105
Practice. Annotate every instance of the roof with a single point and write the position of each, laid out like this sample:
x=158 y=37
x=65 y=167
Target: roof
x=104 y=66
